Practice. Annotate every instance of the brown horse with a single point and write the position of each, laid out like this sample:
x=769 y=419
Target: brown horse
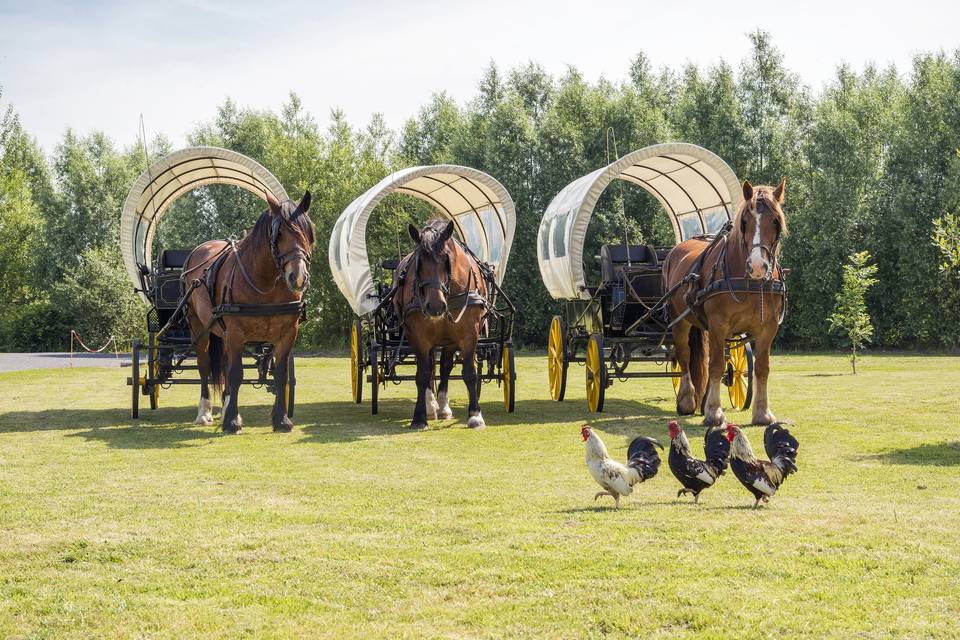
x=441 y=298
x=739 y=290
x=249 y=273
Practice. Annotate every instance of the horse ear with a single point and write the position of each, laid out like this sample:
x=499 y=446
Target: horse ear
x=780 y=191
x=446 y=233
x=304 y=205
x=747 y=190
x=414 y=234
x=273 y=204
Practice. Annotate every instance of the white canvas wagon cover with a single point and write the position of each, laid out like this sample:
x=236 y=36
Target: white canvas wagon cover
x=172 y=176
x=698 y=191
x=482 y=211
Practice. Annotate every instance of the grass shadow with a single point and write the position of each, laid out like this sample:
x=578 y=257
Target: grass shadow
x=939 y=454
x=63 y=419
x=334 y=421
x=150 y=436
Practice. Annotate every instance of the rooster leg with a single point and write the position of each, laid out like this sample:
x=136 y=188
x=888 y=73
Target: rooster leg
x=682 y=492
x=756 y=504
x=696 y=498
x=602 y=493
x=616 y=497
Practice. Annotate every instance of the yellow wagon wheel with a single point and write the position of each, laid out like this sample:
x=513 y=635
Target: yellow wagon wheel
x=674 y=367
x=509 y=377
x=356 y=363
x=596 y=374
x=557 y=358
x=739 y=375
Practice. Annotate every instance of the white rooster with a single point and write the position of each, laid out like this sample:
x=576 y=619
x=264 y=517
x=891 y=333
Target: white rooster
x=617 y=479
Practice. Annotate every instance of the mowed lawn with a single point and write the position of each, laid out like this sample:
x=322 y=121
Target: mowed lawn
x=354 y=527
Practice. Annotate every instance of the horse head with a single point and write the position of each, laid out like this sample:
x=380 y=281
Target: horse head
x=431 y=264
x=292 y=237
x=761 y=223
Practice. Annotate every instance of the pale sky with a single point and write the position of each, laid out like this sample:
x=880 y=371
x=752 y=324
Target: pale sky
x=99 y=65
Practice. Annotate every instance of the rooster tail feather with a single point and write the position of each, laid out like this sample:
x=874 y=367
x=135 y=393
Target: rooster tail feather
x=642 y=455
x=781 y=447
x=716 y=449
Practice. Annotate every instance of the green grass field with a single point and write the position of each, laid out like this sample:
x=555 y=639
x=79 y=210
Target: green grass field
x=352 y=526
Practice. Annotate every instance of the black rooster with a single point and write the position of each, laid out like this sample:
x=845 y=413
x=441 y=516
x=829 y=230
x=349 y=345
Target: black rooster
x=761 y=477
x=696 y=475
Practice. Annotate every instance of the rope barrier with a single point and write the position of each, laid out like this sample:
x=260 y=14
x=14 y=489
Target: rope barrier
x=74 y=336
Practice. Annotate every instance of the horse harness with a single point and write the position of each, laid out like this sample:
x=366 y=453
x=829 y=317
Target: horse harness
x=227 y=306
x=695 y=298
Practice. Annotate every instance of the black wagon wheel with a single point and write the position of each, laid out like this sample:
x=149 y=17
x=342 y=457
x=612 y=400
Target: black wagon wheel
x=508 y=373
x=557 y=360
x=374 y=382
x=135 y=379
x=153 y=388
x=291 y=390
x=357 y=361
x=738 y=376
x=596 y=373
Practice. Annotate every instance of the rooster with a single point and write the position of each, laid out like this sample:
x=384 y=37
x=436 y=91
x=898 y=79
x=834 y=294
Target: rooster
x=617 y=479
x=696 y=475
x=761 y=477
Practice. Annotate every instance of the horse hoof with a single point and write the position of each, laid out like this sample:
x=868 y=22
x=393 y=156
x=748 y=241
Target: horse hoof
x=232 y=429
x=715 y=420
x=445 y=414
x=686 y=406
x=763 y=420
x=284 y=427
x=418 y=426
x=476 y=422
x=204 y=420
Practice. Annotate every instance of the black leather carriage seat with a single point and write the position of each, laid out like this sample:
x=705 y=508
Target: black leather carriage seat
x=174 y=259
x=613 y=258
x=644 y=268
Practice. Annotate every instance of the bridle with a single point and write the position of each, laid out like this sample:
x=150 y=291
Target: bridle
x=420 y=285
x=760 y=208
x=280 y=260
x=297 y=253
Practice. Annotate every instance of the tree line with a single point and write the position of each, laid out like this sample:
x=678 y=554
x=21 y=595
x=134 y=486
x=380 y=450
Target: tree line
x=871 y=161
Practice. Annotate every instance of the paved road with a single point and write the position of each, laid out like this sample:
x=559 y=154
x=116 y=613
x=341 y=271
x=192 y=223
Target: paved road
x=23 y=361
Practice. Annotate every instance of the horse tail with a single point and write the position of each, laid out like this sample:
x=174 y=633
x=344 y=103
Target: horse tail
x=217 y=362
x=698 y=364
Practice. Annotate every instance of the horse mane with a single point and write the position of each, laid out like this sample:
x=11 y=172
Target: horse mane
x=297 y=221
x=765 y=193
x=430 y=241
